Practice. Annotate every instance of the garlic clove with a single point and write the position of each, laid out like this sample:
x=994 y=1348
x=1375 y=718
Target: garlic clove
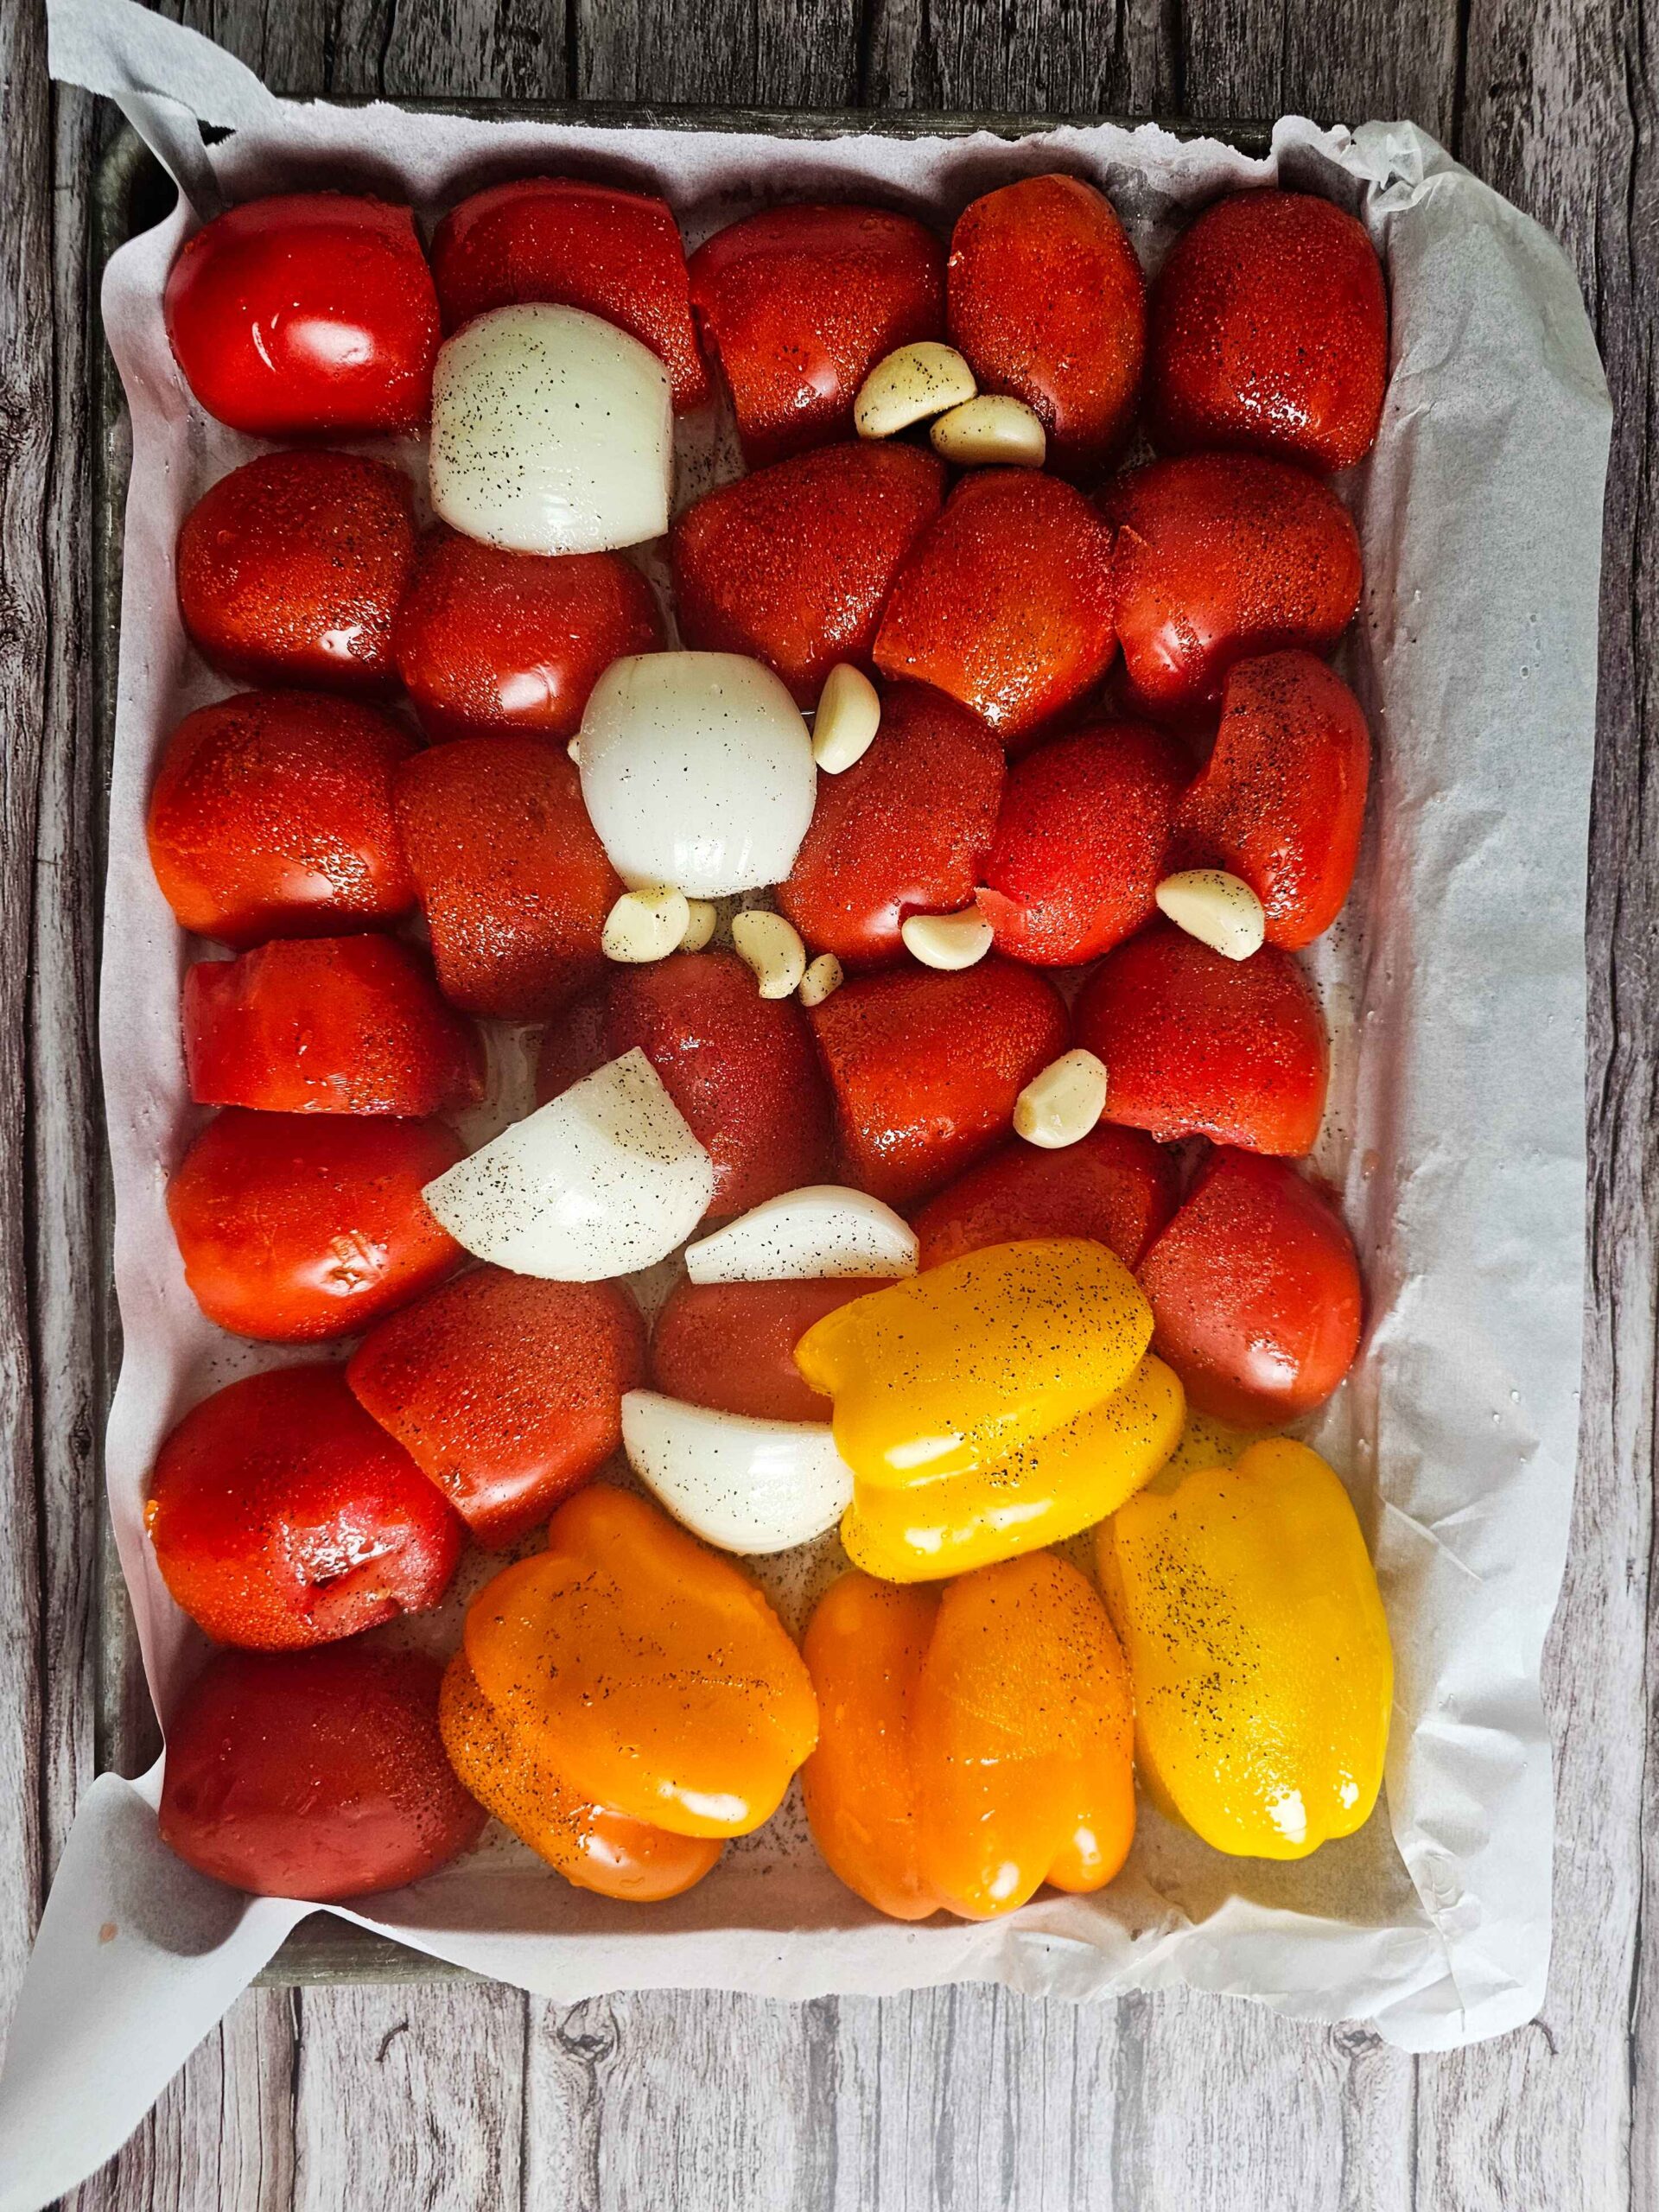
x=702 y=916
x=948 y=941
x=849 y=716
x=1218 y=909
x=994 y=430
x=1061 y=1105
x=771 y=948
x=645 y=925
x=909 y=386
x=823 y=978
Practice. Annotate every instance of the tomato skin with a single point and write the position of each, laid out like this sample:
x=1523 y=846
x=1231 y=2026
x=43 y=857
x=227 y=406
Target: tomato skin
x=613 y=254
x=731 y=1345
x=1200 y=1046
x=294 y=1228
x=306 y=315
x=1081 y=842
x=313 y=1773
x=740 y=1068
x=513 y=877
x=1220 y=555
x=487 y=640
x=1256 y=1291
x=282 y=1518
x=333 y=1025
x=1006 y=601
x=800 y=303
x=291 y=567
x=506 y=1390
x=1046 y=299
x=1270 y=331
x=1114 y=1185
x=926 y=1065
x=904 y=830
x=271 y=816
x=793 y=564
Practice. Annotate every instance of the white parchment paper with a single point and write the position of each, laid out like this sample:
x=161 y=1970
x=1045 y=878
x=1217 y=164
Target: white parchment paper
x=1456 y=995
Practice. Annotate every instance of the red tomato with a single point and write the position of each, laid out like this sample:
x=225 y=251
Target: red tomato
x=793 y=564
x=1255 y=1293
x=1115 y=1185
x=332 y=1025
x=512 y=875
x=1197 y=1044
x=926 y=1066
x=732 y=1345
x=313 y=1773
x=1080 y=842
x=488 y=640
x=800 y=303
x=613 y=254
x=309 y=314
x=1005 y=603
x=904 y=830
x=294 y=1227
x=1283 y=801
x=291 y=567
x=740 y=1068
x=282 y=1516
x=506 y=1390
x=1270 y=330
x=1047 y=302
x=271 y=816
x=1220 y=555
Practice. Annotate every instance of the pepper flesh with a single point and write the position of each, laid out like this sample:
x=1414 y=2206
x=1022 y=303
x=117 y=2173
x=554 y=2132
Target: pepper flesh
x=1263 y=1673
x=976 y=1740
x=646 y=1669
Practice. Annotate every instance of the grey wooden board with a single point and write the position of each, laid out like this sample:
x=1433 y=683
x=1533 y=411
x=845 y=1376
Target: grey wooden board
x=463 y=2095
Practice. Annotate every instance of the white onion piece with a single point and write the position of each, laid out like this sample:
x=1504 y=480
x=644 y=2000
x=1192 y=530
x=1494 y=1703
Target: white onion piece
x=821 y=1230
x=551 y=433
x=743 y=1485
x=697 y=770
x=603 y=1180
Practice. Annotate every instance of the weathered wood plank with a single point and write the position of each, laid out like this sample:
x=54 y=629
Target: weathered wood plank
x=725 y=53
x=1050 y=57
x=1342 y=63
x=464 y=49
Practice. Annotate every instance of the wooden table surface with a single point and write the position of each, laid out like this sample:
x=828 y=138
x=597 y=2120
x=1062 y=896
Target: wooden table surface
x=970 y=2100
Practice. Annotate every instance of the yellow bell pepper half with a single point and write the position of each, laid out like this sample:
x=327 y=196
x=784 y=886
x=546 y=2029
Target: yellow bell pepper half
x=1263 y=1675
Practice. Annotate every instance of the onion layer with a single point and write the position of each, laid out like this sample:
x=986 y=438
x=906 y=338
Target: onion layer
x=743 y=1485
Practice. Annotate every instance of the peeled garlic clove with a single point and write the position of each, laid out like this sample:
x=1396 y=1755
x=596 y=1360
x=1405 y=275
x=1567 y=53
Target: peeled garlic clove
x=645 y=925
x=909 y=386
x=1061 y=1105
x=823 y=978
x=996 y=430
x=771 y=948
x=824 y=1229
x=701 y=917
x=948 y=941
x=743 y=1485
x=1220 y=910
x=849 y=716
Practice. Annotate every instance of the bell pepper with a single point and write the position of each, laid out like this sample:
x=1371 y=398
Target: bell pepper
x=976 y=1741
x=1263 y=1674
x=646 y=1670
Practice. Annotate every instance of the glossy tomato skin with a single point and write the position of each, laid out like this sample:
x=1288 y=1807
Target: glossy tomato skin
x=740 y=1068
x=800 y=303
x=313 y=1773
x=1200 y=1046
x=282 y=1518
x=333 y=1025
x=1046 y=299
x=486 y=640
x=294 y=1228
x=731 y=1345
x=1218 y=557
x=506 y=1390
x=926 y=1065
x=291 y=567
x=1255 y=1293
x=511 y=875
x=1114 y=1185
x=1283 y=801
x=1006 y=601
x=613 y=254
x=1270 y=331
x=904 y=830
x=271 y=816
x=1081 y=842
x=306 y=315
x=793 y=564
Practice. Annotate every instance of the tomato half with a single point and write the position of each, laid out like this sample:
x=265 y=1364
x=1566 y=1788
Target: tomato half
x=732 y=1345
x=1114 y=1184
